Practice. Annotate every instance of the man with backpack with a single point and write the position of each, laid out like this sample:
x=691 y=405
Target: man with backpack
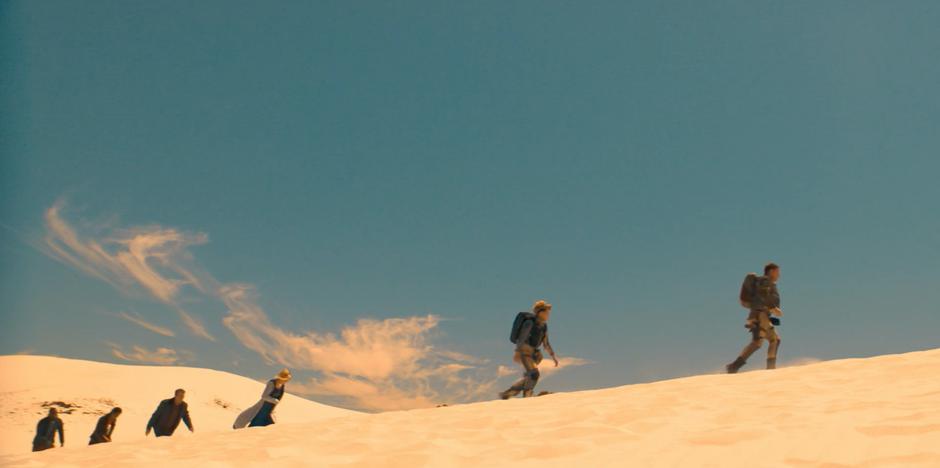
x=759 y=295
x=529 y=333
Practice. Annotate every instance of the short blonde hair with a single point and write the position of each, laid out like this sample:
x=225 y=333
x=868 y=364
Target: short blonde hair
x=540 y=305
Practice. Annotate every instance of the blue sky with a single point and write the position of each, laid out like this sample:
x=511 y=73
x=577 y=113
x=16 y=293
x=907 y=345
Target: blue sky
x=368 y=192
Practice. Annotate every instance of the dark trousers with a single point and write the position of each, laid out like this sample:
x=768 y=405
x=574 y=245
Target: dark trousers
x=40 y=444
x=263 y=418
x=530 y=363
x=761 y=329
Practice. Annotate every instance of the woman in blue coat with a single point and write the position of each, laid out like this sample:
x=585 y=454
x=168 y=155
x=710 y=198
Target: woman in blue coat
x=262 y=413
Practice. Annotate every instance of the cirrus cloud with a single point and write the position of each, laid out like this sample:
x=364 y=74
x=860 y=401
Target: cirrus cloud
x=160 y=355
x=139 y=321
x=372 y=364
x=153 y=258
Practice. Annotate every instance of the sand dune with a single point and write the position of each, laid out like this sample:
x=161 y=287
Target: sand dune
x=83 y=390
x=877 y=412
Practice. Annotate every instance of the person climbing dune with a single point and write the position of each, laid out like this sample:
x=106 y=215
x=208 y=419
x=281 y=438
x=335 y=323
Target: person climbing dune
x=262 y=413
x=529 y=333
x=168 y=414
x=105 y=427
x=759 y=295
x=46 y=431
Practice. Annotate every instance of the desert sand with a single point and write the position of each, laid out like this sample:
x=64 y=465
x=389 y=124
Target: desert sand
x=91 y=389
x=876 y=412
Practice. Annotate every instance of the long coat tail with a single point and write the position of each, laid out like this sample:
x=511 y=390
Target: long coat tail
x=246 y=416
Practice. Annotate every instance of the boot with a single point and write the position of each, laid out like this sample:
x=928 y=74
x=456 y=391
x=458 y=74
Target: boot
x=772 y=363
x=507 y=394
x=526 y=393
x=734 y=366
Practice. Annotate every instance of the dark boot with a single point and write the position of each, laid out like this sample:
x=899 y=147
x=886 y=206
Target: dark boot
x=526 y=393
x=772 y=363
x=734 y=366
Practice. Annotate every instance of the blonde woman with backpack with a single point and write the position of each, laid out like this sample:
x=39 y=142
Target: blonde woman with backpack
x=529 y=333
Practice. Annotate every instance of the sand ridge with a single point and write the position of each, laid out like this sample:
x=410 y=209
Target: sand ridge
x=876 y=412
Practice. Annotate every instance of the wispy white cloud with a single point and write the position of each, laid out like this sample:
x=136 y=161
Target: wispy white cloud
x=362 y=394
x=372 y=364
x=154 y=259
x=546 y=367
x=139 y=321
x=161 y=356
x=373 y=349
x=195 y=326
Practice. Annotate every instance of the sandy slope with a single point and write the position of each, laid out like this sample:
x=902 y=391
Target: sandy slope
x=883 y=411
x=215 y=398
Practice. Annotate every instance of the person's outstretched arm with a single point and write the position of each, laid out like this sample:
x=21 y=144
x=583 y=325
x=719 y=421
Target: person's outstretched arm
x=548 y=347
x=266 y=396
x=186 y=420
x=153 y=418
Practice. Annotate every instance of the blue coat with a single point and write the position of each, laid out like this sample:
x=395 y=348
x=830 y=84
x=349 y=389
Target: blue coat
x=167 y=417
x=270 y=397
x=46 y=431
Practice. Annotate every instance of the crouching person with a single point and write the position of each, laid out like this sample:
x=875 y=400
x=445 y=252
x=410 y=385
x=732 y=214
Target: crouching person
x=167 y=417
x=46 y=431
x=105 y=428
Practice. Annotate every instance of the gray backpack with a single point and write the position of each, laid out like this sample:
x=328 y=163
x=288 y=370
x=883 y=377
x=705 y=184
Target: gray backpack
x=521 y=318
x=748 y=290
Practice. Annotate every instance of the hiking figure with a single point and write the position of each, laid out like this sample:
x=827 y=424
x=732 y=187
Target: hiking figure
x=46 y=430
x=529 y=333
x=168 y=414
x=105 y=427
x=262 y=413
x=759 y=295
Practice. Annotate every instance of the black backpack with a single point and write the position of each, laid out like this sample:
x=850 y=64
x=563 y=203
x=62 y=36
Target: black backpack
x=521 y=318
x=748 y=290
